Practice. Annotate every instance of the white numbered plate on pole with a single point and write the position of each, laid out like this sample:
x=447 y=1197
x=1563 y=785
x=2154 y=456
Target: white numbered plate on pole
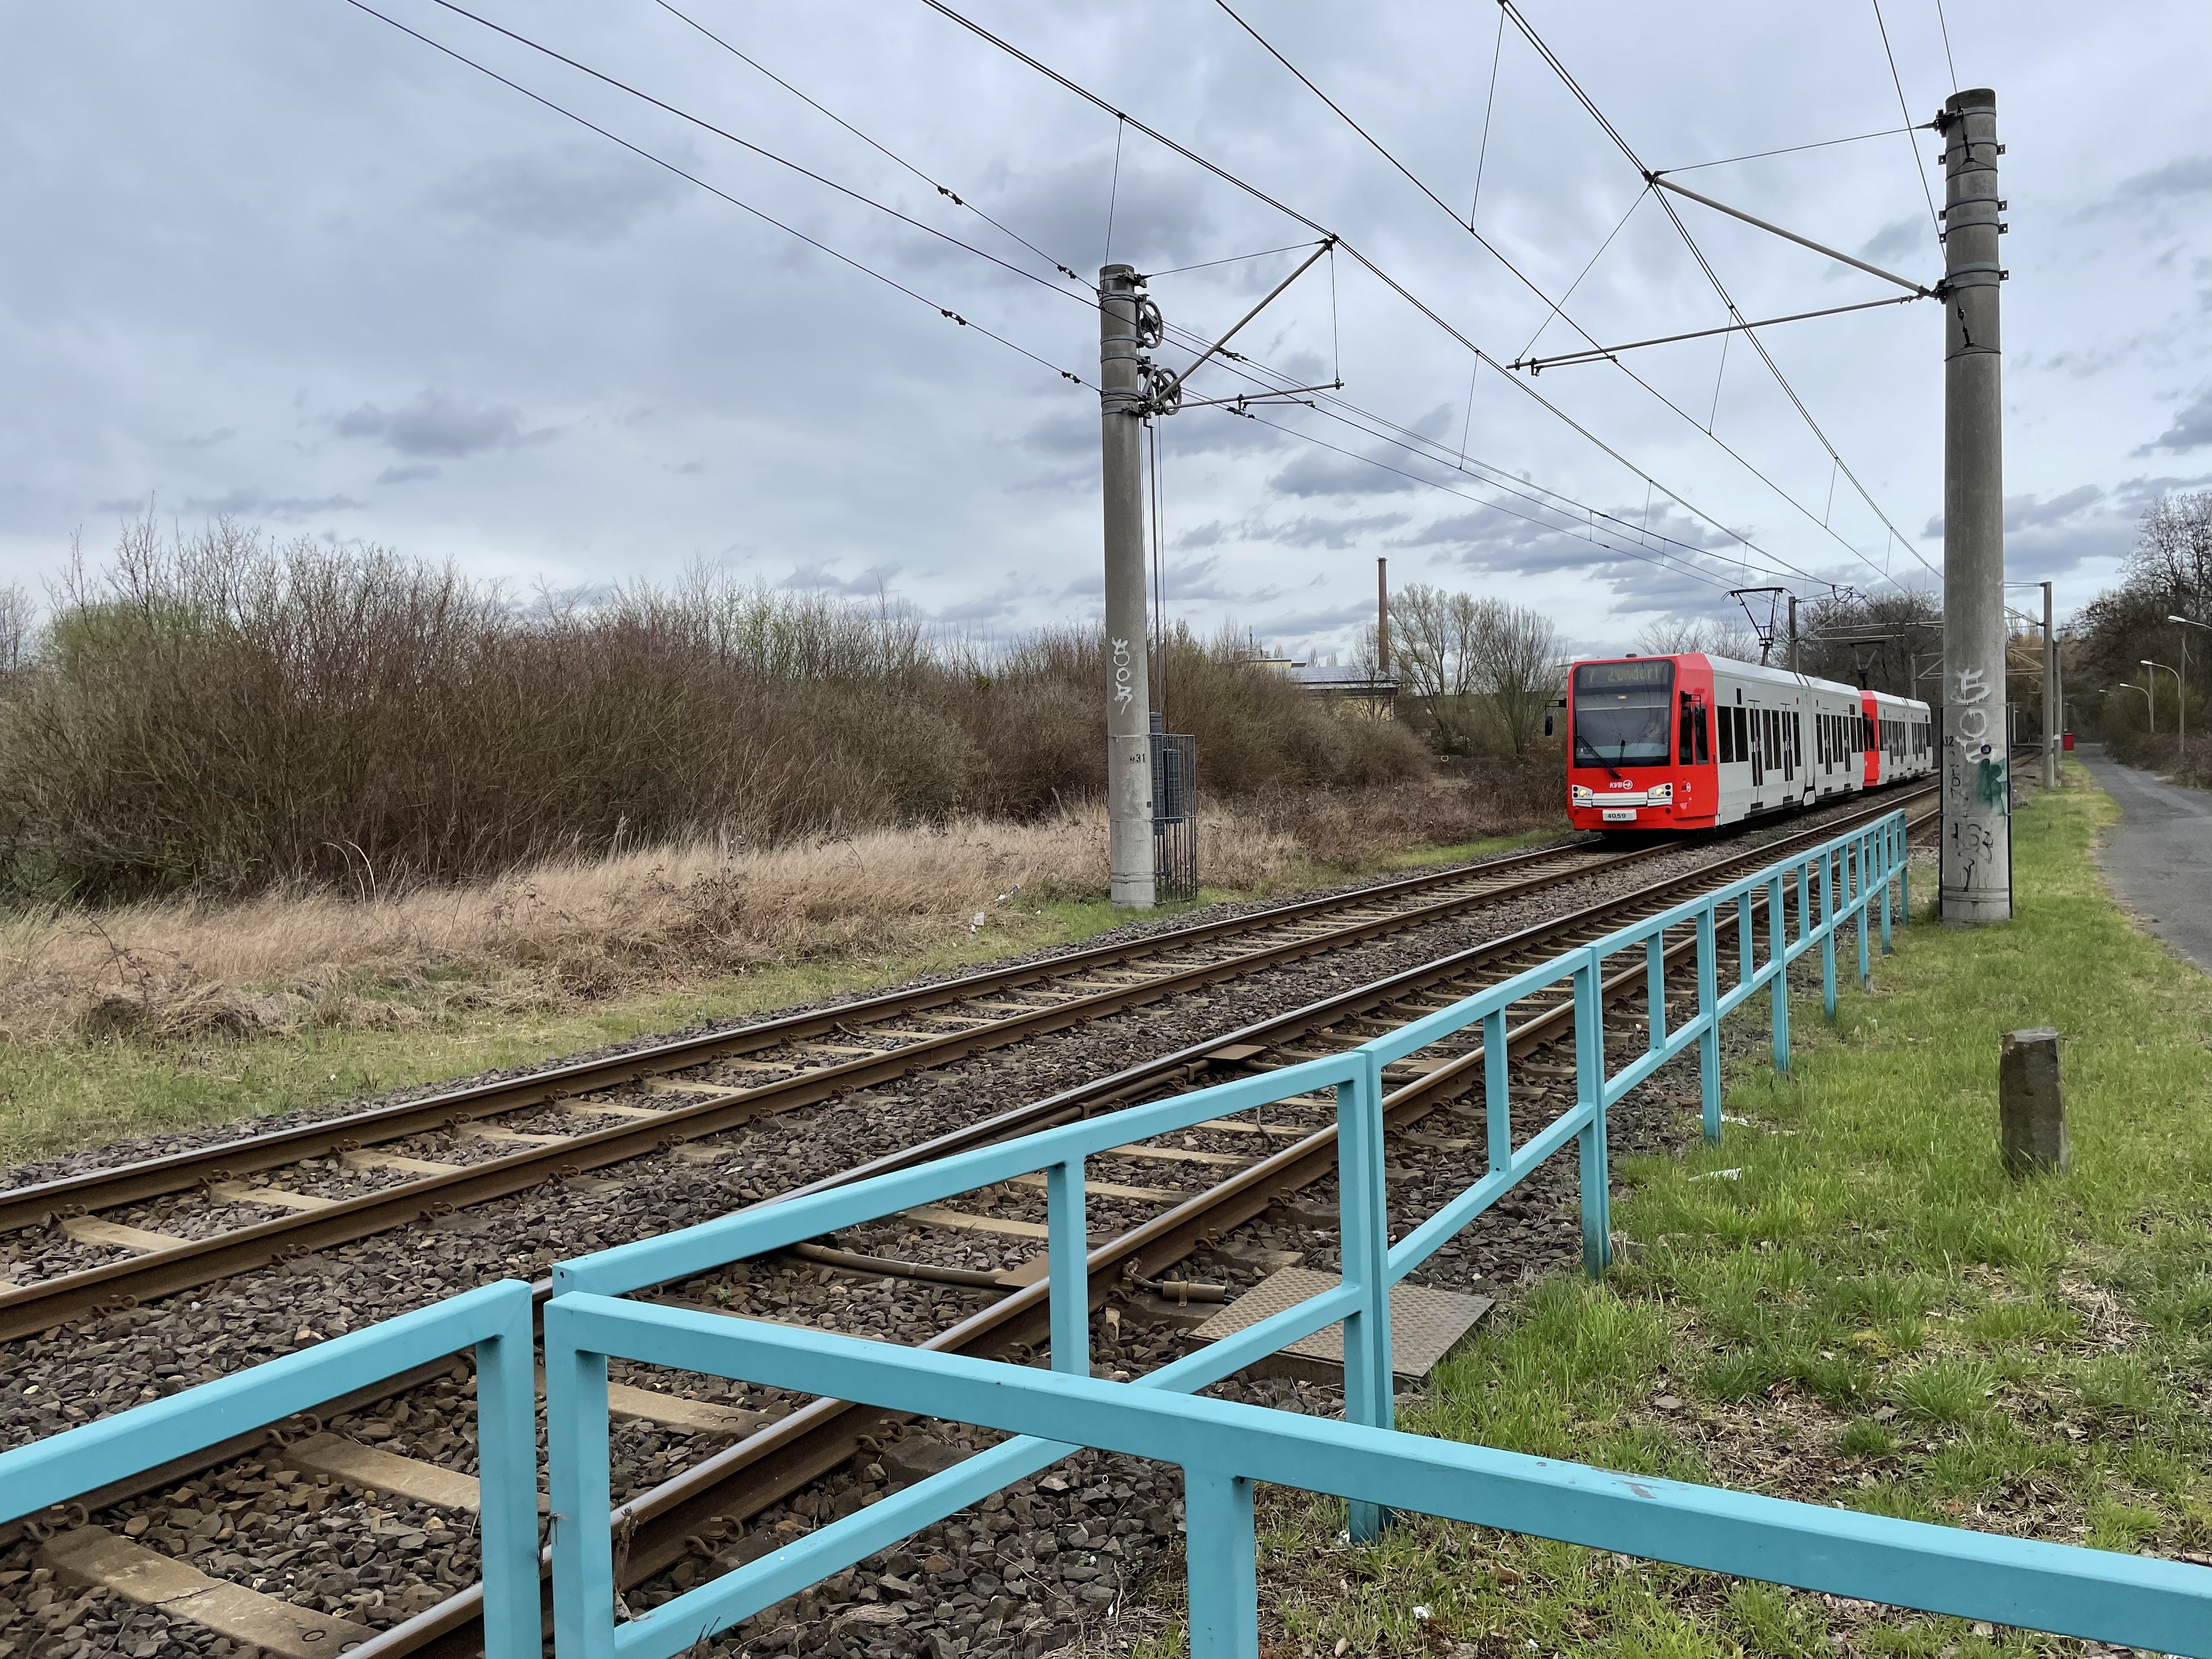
x=1619 y=815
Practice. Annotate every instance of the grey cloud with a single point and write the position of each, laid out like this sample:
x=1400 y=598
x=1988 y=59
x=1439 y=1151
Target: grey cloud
x=2191 y=427
x=1076 y=476
x=2026 y=513
x=1160 y=216
x=689 y=470
x=1004 y=603
x=2133 y=495
x=2033 y=511
x=1329 y=532
x=2047 y=536
x=1313 y=621
x=1199 y=582
x=2185 y=175
x=573 y=194
x=1896 y=240
x=207 y=441
x=1070 y=434
x=820 y=579
x=239 y=503
x=1090 y=585
x=1323 y=473
x=410 y=472
x=439 y=423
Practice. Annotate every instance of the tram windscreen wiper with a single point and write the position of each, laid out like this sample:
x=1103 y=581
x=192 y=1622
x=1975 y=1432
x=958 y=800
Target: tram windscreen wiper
x=1582 y=743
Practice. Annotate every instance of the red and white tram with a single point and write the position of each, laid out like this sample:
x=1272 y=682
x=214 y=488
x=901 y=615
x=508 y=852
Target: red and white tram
x=1691 y=742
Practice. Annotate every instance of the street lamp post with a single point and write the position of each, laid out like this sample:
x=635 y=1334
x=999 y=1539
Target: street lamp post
x=2183 y=678
x=2178 y=690
x=2125 y=685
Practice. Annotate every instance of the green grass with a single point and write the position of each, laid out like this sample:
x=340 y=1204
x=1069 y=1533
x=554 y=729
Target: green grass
x=1422 y=858
x=58 y=1096
x=61 y=1096
x=1872 y=1315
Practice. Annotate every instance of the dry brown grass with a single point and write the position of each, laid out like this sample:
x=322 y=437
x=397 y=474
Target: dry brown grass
x=563 y=933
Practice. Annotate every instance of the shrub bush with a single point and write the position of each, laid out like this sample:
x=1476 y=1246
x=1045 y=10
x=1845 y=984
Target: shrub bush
x=224 y=714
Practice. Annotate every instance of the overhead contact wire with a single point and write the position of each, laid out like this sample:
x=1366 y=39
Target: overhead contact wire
x=942 y=189
x=1606 y=125
x=715 y=189
x=705 y=125
x=1381 y=276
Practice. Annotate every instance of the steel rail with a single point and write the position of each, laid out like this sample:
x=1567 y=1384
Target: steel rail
x=115 y=1285
x=448 y=1627
x=669 y=1522
x=33 y=1206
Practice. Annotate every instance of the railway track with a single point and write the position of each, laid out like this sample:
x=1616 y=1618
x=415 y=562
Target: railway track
x=1160 y=1205
x=274 y=1197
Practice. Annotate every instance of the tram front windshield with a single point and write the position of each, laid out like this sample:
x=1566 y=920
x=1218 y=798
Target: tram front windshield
x=1621 y=712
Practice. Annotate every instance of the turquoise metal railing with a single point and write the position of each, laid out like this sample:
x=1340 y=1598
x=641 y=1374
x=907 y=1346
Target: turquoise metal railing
x=2162 y=1607
x=493 y=1319
x=1848 y=879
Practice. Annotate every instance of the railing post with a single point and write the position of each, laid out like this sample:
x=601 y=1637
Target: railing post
x=1655 y=989
x=1590 y=1098
x=1068 y=1247
x=1708 y=1009
x=1777 y=961
x=1497 y=1104
x=1901 y=855
x=1865 y=904
x=1828 y=931
x=1363 y=1217
x=1883 y=861
x=1218 y=1547
x=576 y=1459
x=506 y=1480
x=1805 y=902
x=1746 y=939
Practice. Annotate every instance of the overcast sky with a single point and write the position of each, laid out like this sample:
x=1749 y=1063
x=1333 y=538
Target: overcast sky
x=284 y=262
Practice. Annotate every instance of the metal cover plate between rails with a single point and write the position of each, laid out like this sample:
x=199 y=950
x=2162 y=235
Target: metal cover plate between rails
x=1424 y=1322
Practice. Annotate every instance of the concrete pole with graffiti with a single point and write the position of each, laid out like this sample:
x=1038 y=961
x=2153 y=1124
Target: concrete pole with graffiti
x=1976 y=857
x=1122 y=365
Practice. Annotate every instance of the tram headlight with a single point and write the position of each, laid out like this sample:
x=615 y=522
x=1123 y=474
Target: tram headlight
x=1660 y=794
x=1585 y=795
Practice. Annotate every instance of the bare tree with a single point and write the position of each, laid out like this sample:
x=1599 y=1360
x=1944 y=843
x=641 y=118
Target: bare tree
x=1518 y=669
x=1432 y=637
x=2172 y=554
x=19 y=622
x=1675 y=636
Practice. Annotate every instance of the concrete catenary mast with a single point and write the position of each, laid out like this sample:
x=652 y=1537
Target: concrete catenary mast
x=1977 y=856
x=1121 y=348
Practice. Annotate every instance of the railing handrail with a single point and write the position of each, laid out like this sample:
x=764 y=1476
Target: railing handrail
x=494 y=1319
x=1866 y=861
x=2160 y=1606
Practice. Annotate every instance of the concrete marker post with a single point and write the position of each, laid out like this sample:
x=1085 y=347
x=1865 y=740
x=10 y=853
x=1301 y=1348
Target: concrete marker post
x=2032 y=1104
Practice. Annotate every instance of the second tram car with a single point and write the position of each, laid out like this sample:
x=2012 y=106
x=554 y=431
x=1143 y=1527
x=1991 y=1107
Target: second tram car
x=1691 y=742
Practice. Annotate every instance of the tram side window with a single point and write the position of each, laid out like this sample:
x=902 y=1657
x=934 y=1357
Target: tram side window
x=1728 y=736
x=1705 y=731
x=1685 y=742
